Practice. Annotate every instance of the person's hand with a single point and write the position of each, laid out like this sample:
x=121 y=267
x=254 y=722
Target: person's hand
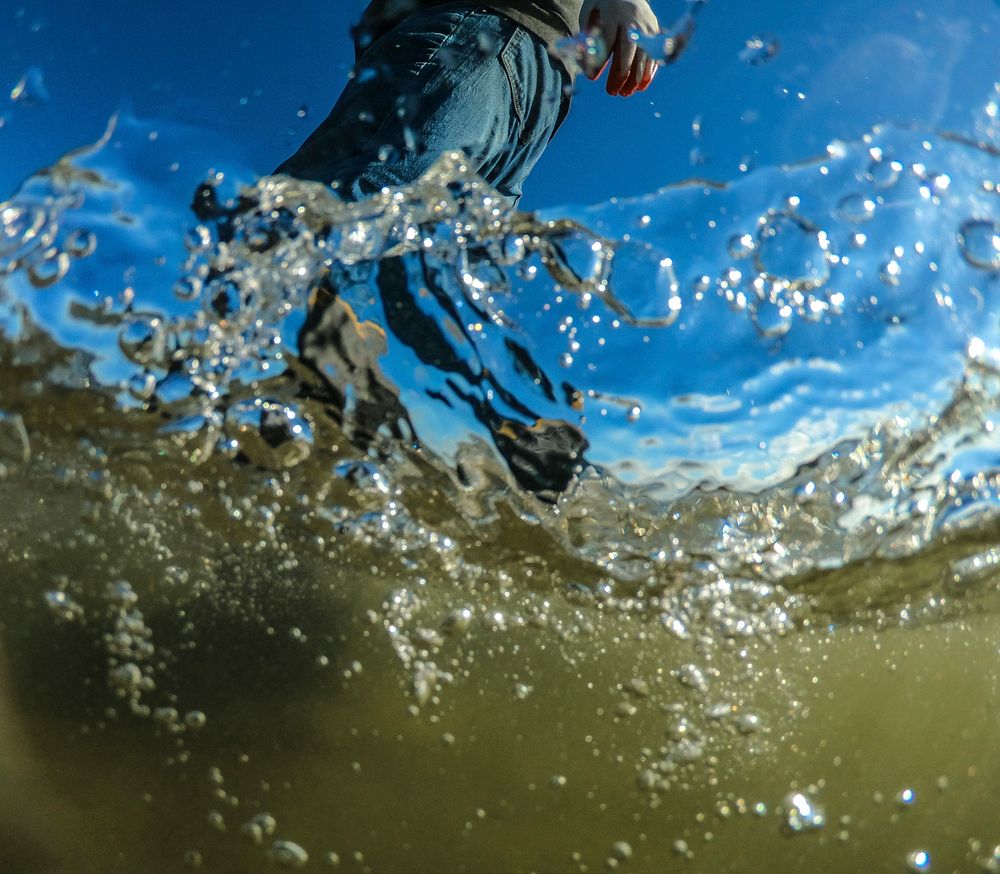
x=631 y=68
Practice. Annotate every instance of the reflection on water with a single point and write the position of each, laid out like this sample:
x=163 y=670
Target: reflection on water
x=416 y=534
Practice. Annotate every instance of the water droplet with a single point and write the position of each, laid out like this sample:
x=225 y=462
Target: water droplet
x=578 y=260
x=288 y=854
x=979 y=240
x=197 y=238
x=884 y=172
x=890 y=272
x=771 y=319
x=856 y=208
x=188 y=287
x=22 y=228
x=919 y=860
x=741 y=246
x=80 y=243
x=701 y=284
x=142 y=385
x=143 y=340
x=793 y=251
x=30 y=88
x=802 y=814
x=49 y=269
x=759 y=49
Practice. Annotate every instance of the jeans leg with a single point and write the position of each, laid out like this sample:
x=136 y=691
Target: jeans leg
x=433 y=84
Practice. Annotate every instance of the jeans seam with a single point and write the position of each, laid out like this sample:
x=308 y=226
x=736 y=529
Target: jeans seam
x=517 y=93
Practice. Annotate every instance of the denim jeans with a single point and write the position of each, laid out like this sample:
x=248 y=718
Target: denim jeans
x=454 y=76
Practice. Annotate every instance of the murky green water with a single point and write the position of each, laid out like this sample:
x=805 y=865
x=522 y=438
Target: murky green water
x=549 y=731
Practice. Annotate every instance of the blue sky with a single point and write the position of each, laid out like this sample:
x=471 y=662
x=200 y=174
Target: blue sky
x=263 y=77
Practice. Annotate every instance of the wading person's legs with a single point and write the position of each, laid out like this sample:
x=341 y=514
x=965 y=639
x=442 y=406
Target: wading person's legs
x=449 y=77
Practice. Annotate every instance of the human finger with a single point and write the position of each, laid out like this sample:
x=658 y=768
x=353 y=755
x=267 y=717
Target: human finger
x=635 y=74
x=624 y=55
x=648 y=74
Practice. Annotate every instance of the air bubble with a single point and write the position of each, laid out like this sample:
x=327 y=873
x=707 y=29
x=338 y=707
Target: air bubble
x=621 y=850
x=265 y=822
x=126 y=677
x=919 y=860
x=195 y=719
x=979 y=241
x=253 y=833
x=288 y=854
x=802 y=814
x=62 y=606
x=692 y=677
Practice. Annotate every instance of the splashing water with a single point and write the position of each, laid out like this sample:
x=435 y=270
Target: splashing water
x=659 y=435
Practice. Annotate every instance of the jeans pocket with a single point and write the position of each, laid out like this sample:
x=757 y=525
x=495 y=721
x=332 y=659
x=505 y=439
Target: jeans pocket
x=509 y=62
